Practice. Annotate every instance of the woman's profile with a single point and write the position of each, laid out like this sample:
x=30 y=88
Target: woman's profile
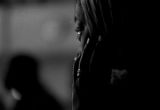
x=100 y=70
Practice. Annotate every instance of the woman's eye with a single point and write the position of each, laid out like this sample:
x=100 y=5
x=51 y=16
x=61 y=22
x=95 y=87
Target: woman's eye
x=78 y=29
x=79 y=33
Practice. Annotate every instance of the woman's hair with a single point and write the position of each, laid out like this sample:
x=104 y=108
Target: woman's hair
x=97 y=15
x=106 y=21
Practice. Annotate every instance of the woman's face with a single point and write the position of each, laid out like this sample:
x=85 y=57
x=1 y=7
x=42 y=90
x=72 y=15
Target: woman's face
x=81 y=27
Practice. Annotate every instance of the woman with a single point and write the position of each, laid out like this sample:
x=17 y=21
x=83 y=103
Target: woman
x=100 y=68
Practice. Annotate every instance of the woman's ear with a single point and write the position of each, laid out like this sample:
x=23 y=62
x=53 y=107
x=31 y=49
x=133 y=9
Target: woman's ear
x=15 y=94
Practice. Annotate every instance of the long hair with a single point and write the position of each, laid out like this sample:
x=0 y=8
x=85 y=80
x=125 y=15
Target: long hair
x=98 y=16
x=105 y=20
x=101 y=17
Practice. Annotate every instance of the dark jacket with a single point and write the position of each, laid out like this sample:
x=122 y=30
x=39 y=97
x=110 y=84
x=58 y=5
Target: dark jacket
x=101 y=84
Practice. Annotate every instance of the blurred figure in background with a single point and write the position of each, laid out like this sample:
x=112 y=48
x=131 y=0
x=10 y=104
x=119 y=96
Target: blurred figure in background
x=101 y=68
x=22 y=81
x=1 y=105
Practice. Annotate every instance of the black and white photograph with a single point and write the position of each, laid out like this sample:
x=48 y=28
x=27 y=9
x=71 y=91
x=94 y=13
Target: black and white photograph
x=64 y=55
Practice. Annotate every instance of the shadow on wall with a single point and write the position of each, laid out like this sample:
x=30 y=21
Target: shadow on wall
x=22 y=80
x=52 y=73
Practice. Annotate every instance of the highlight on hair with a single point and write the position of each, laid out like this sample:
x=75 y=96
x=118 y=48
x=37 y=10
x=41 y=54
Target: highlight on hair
x=98 y=16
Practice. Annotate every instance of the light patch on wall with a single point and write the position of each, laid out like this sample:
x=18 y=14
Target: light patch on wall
x=50 y=31
x=40 y=28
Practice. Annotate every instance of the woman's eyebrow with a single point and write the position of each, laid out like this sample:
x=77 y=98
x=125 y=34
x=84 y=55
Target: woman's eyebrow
x=77 y=19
